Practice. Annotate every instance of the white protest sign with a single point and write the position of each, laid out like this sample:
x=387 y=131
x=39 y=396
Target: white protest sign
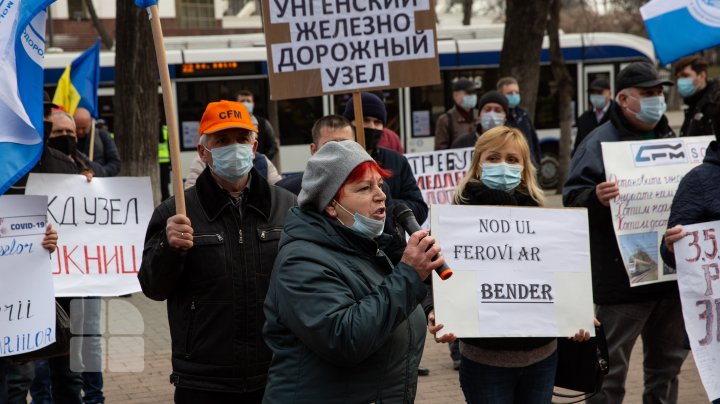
x=518 y=272
x=27 y=303
x=325 y=46
x=647 y=173
x=698 y=266
x=439 y=172
x=101 y=228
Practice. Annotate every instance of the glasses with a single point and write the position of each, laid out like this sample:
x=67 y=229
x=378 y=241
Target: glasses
x=66 y=132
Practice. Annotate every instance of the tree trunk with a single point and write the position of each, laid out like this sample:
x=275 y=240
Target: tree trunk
x=136 y=96
x=563 y=81
x=525 y=23
x=99 y=27
x=467 y=11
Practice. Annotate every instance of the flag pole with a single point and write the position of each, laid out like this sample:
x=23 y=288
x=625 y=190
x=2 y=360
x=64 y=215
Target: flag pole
x=359 y=120
x=91 y=151
x=169 y=104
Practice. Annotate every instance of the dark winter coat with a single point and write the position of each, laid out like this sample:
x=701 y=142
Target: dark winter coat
x=215 y=290
x=587 y=122
x=520 y=119
x=106 y=157
x=344 y=325
x=697 y=199
x=703 y=109
x=611 y=284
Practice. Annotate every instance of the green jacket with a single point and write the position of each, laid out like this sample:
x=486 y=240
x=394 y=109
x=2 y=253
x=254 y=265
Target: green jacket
x=344 y=325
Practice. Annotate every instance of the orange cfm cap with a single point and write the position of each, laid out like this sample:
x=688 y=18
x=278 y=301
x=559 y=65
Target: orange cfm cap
x=224 y=115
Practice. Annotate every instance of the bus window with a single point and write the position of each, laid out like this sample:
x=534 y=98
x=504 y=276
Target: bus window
x=546 y=106
x=194 y=95
x=426 y=100
x=296 y=118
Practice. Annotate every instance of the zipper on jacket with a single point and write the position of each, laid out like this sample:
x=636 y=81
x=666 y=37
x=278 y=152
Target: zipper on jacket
x=218 y=236
x=240 y=236
x=188 y=338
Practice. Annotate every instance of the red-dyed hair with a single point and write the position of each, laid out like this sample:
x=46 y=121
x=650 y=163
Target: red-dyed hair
x=359 y=172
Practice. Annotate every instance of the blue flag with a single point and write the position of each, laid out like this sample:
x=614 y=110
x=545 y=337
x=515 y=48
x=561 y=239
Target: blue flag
x=22 y=46
x=679 y=28
x=78 y=85
x=145 y=3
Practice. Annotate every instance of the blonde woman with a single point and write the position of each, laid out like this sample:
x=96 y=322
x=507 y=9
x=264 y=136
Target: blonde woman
x=505 y=370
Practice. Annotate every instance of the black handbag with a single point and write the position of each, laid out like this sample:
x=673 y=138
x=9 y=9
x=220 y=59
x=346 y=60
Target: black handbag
x=60 y=347
x=582 y=366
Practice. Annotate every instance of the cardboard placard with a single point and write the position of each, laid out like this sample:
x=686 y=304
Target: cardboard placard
x=318 y=47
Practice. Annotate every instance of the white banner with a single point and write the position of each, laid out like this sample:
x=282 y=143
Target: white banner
x=647 y=173
x=27 y=306
x=439 y=172
x=101 y=228
x=698 y=267
x=518 y=272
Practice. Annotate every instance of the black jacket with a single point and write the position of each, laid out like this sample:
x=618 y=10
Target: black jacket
x=215 y=290
x=106 y=157
x=587 y=122
x=267 y=144
x=697 y=199
x=611 y=284
x=466 y=140
x=703 y=109
x=520 y=119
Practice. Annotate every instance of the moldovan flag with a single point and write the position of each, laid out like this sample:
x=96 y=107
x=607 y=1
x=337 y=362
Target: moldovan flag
x=22 y=56
x=78 y=85
x=679 y=28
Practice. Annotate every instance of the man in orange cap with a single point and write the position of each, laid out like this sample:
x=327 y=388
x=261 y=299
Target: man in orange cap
x=213 y=264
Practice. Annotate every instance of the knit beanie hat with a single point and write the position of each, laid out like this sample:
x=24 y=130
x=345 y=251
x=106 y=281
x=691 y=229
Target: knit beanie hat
x=372 y=106
x=493 y=96
x=327 y=170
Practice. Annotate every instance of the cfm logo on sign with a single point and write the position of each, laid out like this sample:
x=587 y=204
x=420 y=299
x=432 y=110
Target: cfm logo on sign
x=659 y=154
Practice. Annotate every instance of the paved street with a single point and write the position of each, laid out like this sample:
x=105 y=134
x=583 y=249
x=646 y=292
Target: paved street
x=441 y=386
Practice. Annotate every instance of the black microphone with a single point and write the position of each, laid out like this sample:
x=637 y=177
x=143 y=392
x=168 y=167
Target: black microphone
x=407 y=220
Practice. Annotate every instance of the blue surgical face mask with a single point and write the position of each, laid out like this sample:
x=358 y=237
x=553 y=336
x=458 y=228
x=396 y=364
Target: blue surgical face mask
x=502 y=176
x=652 y=109
x=233 y=162
x=469 y=101
x=685 y=87
x=513 y=99
x=364 y=225
x=489 y=120
x=597 y=101
x=249 y=106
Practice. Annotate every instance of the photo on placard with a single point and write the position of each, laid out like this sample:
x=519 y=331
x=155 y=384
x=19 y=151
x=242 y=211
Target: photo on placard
x=641 y=252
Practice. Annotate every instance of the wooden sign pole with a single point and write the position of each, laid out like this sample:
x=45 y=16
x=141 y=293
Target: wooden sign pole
x=359 y=127
x=91 y=151
x=170 y=115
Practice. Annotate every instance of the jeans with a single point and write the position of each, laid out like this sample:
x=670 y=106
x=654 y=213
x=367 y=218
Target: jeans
x=660 y=324
x=3 y=380
x=483 y=384
x=19 y=378
x=40 y=389
x=91 y=348
x=454 y=350
x=64 y=384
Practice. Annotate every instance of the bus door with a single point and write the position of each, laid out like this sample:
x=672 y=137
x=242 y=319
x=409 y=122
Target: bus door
x=591 y=73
